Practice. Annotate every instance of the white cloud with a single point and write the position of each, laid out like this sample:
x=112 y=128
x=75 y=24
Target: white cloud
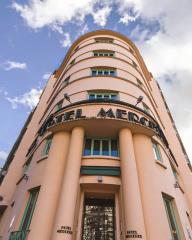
x=8 y=65
x=3 y=155
x=168 y=54
x=46 y=75
x=28 y=99
x=66 y=42
x=101 y=15
x=127 y=18
x=38 y=14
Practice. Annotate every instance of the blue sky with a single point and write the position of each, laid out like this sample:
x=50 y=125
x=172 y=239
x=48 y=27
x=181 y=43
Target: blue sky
x=35 y=36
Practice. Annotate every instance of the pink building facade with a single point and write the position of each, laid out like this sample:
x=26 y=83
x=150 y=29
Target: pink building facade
x=99 y=158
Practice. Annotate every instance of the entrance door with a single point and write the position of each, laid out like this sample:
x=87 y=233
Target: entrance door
x=98 y=219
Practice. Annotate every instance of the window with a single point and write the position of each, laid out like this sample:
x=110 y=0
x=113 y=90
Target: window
x=72 y=62
x=66 y=81
x=59 y=105
x=76 y=48
x=168 y=201
x=103 y=147
x=139 y=83
x=112 y=96
x=47 y=146
x=26 y=165
x=26 y=220
x=175 y=174
x=103 y=54
x=103 y=40
x=103 y=72
x=134 y=64
x=146 y=108
x=131 y=50
x=156 y=152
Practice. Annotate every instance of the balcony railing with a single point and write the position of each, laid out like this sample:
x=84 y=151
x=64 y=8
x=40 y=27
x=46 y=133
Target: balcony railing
x=19 y=235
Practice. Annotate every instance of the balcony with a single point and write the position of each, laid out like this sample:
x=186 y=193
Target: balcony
x=19 y=235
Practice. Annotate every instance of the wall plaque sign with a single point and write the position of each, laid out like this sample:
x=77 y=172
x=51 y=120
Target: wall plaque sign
x=133 y=234
x=65 y=230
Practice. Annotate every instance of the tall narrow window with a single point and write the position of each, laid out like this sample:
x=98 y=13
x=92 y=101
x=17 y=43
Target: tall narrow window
x=96 y=147
x=59 y=105
x=105 y=147
x=26 y=220
x=87 y=148
x=47 y=146
x=26 y=165
x=171 y=217
x=156 y=152
x=146 y=108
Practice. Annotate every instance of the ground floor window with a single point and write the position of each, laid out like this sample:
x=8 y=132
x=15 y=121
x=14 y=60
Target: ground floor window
x=27 y=216
x=168 y=201
x=103 y=147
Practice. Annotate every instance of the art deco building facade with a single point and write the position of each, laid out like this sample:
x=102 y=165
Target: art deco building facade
x=99 y=158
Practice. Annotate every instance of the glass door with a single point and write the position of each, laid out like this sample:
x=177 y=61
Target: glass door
x=98 y=219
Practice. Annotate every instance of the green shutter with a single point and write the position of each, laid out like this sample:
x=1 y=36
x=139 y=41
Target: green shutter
x=104 y=171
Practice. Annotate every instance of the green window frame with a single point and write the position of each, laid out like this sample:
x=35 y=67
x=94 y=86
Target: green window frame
x=103 y=72
x=59 y=105
x=28 y=213
x=146 y=108
x=47 y=146
x=103 y=54
x=168 y=203
x=66 y=80
x=104 y=40
x=27 y=164
x=101 y=147
x=156 y=151
x=102 y=95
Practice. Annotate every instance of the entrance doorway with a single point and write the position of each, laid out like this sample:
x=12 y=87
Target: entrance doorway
x=98 y=219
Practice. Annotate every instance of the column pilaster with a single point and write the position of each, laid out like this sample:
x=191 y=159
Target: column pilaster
x=63 y=229
x=43 y=217
x=133 y=213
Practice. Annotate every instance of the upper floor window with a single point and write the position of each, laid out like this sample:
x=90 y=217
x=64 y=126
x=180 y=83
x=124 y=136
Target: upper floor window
x=27 y=164
x=139 y=83
x=47 y=146
x=156 y=151
x=103 y=147
x=100 y=95
x=146 y=108
x=66 y=80
x=104 y=40
x=103 y=54
x=59 y=105
x=103 y=72
x=134 y=64
x=72 y=62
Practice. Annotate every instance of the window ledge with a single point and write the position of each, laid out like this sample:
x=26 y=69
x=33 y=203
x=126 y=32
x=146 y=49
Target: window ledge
x=101 y=157
x=161 y=164
x=42 y=158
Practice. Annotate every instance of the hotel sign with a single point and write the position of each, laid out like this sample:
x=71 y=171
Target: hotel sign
x=118 y=113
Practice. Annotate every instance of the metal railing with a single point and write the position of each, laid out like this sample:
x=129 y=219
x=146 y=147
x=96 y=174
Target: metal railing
x=19 y=235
